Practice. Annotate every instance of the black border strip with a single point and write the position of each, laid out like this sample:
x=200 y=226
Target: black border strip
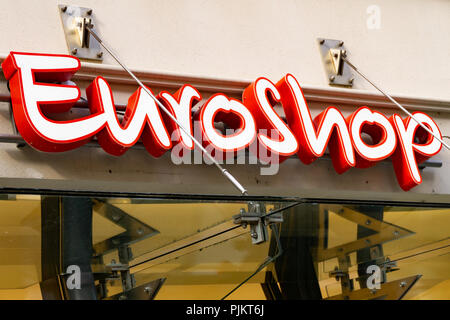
x=215 y=197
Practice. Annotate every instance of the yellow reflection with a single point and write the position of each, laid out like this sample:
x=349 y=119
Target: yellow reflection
x=175 y=221
x=32 y=292
x=249 y=291
x=20 y=243
x=438 y=292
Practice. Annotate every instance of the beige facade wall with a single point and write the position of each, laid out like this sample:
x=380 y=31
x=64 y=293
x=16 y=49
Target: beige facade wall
x=245 y=39
x=406 y=53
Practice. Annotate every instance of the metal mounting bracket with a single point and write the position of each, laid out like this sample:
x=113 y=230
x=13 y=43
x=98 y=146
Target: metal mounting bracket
x=115 y=272
x=135 y=230
x=394 y=290
x=258 y=220
x=146 y=291
x=385 y=232
x=74 y=20
x=338 y=73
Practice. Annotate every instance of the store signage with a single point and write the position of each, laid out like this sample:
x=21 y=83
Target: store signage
x=36 y=90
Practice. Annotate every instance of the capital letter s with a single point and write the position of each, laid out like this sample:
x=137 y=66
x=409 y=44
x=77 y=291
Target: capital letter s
x=328 y=128
x=259 y=97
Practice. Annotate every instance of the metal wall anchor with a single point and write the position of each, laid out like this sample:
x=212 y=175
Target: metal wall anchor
x=258 y=219
x=75 y=21
x=332 y=53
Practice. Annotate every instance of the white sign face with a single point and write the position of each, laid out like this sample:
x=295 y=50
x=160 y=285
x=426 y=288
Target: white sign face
x=32 y=80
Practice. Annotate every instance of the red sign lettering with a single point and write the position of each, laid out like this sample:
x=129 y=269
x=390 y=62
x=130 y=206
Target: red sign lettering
x=254 y=121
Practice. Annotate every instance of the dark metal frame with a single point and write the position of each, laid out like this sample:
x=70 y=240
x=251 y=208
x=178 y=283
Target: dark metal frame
x=66 y=240
x=216 y=197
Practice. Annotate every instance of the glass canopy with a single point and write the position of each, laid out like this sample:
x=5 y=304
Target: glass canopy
x=202 y=250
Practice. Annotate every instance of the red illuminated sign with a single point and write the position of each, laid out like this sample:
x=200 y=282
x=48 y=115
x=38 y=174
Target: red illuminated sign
x=34 y=93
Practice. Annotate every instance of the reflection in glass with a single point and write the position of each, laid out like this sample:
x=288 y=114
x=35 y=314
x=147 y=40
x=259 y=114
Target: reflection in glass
x=202 y=253
x=410 y=245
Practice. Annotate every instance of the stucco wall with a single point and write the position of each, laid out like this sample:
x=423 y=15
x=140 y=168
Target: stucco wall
x=244 y=39
x=241 y=40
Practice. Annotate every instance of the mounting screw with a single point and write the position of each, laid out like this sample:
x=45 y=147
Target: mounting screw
x=331 y=80
x=396 y=233
x=368 y=222
x=147 y=290
x=341 y=43
x=254 y=235
x=322 y=41
x=351 y=80
x=140 y=231
x=74 y=51
x=89 y=12
x=100 y=54
x=403 y=284
x=63 y=9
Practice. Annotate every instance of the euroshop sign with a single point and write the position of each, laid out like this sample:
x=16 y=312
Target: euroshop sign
x=36 y=90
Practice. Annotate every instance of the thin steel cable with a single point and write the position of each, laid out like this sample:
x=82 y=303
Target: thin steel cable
x=188 y=253
x=396 y=103
x=265 y=263
x=186 y=246
x=222 y=170
x=414 y=255
x=280 y=209
x=210 y=237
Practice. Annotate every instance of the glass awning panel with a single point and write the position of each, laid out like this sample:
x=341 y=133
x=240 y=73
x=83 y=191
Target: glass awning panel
x=199 y=246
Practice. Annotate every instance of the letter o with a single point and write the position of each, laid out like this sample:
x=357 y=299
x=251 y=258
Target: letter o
x=246 y=132
x=378 y=127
